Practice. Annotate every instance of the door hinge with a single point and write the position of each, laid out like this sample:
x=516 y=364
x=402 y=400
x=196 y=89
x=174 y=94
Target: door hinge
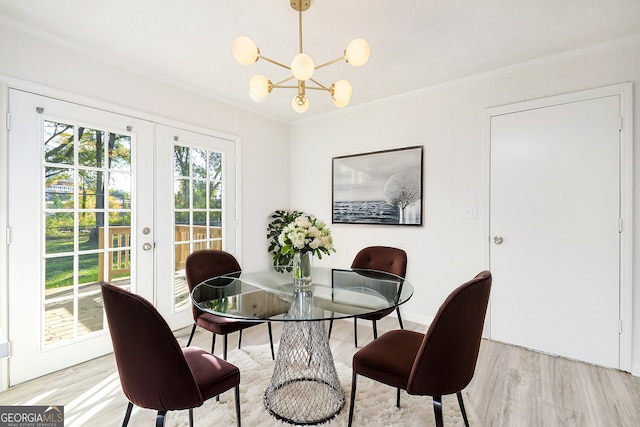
x=8 y=121
x=619 y=326
x=620 y=123
x=8 y=236
x=619 y=225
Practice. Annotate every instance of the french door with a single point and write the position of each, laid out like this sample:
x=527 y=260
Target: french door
x=196 y=200
x=99 y=196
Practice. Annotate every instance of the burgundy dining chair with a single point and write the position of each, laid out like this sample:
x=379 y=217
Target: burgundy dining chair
x=155 y=373
x=437 y=363
x=205 y=264
x=380 y=258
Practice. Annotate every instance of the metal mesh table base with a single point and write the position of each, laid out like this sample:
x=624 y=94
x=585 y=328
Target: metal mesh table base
x=304 y=388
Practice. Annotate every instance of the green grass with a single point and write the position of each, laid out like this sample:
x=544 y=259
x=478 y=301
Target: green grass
x=59 y=270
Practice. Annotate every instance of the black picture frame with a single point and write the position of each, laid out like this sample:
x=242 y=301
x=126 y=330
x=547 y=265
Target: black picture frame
x=379 y=187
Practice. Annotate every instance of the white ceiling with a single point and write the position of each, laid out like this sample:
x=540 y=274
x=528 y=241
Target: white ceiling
x=414 y=44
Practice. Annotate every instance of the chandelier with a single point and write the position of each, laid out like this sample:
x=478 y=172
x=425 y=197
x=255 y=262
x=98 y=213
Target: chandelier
x=302 y=68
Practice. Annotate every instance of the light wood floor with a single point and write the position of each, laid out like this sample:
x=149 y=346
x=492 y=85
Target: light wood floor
x=512 y=386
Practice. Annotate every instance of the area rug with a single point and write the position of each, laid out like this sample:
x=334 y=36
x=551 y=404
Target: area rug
x=375 y=403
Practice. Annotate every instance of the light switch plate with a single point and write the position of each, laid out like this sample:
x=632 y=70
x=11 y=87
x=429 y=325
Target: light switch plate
x=470 y=212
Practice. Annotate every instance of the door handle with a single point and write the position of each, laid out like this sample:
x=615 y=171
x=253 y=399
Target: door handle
x=498 y=240
x=147 y=246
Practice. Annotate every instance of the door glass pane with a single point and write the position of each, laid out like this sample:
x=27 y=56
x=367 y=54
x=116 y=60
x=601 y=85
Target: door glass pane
x=87 y=230
x=58 y=321
x=91 y=149
x=215 y=165
x=58 y=300
x=59 y=187
x=90 y=318
x=215 y=223
x=199 y=194
x=199 y=225
x=119 y=191
x=90 y=188
x=181 y=193
x=215 y=194
x=120 y=153
x=199 y=165
x=58 y=142
x=59 y=232
x=182 y=252
x=89 y=310
x=197 y=208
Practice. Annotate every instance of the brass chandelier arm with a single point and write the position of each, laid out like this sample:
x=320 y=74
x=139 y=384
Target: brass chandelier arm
x=274 y=62
x=320 y=85
x=284 y=87
x=278 y=84
x=318 y=88
x=330 y=62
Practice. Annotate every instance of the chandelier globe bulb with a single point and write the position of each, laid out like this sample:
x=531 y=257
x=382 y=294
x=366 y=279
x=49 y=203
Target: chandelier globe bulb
x=341 y=90
x=259 y=86
x=302 y=66
x=300 y=103
x=357 y=52
x=245 y=50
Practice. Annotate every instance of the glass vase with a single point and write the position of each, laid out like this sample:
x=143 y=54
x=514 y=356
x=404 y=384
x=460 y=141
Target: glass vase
x=301 y=270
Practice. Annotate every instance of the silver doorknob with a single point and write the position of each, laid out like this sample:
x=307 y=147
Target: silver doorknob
x=498 y=240
x=147 y=246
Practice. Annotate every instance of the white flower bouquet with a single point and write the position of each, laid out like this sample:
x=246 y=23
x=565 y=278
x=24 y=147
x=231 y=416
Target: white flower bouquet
x=291 y=232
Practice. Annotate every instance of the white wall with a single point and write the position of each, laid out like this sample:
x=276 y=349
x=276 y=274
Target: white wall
x=449 y=122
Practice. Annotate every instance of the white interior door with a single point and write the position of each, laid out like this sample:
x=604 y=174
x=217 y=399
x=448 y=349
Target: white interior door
x=80 y=197
x=555 y=229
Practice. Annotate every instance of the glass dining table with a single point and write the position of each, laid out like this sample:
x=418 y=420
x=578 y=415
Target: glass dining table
x=304 y=387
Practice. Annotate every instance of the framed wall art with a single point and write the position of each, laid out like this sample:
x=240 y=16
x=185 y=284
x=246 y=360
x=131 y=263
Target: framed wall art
x=381 y=187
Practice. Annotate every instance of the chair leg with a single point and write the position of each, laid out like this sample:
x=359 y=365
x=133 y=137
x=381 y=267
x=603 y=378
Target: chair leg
x=464 y=413
x=399 y=318
x=437 y=410
x=354 y=379
x=190 y=417
x=224 y=354
x=224 y=350
x=160 y=418
x=273 y=355
x=213 y=343
x=397 y=398
x=375 y=329
x=127 y=415
x=330 y=325
x=193 y=331
x=239 y=339
x=237 y=394
x=355 y=330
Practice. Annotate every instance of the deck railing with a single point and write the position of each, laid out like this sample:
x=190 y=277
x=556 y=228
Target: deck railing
x=118 y=260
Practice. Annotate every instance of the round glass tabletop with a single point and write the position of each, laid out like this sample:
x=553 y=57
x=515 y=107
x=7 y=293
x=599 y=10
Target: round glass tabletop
x=272 y=296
